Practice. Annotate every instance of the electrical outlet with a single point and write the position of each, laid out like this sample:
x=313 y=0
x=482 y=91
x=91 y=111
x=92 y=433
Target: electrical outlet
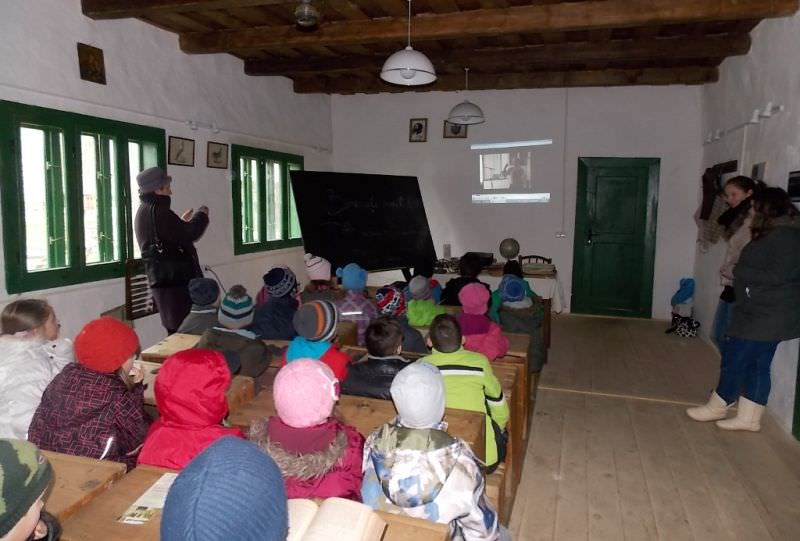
x=561 y=235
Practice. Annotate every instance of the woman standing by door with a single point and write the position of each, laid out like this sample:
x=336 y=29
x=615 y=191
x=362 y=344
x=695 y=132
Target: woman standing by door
x=167 y=244
x=767 y=312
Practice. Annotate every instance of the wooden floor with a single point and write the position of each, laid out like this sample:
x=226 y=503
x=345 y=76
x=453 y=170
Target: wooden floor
x=612 y=455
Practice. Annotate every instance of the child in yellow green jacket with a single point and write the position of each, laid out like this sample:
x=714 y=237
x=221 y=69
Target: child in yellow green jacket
x=470 y=383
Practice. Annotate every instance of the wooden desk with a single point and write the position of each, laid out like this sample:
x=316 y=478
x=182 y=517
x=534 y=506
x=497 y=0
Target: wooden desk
x=240 y=392
x=98 y=520
x=77 y=481
x=404 y=528
x=173 y=343
x=367 y=414
x=510 y=378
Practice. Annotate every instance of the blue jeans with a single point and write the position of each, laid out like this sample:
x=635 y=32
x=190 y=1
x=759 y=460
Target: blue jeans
x=722 y=319
x=745 y=365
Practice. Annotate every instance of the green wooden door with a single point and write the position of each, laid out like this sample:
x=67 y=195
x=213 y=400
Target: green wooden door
x=615 y=230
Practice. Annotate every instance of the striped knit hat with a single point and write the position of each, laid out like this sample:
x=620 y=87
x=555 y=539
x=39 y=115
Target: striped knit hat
x=24 y=476
x=236 y=310
x=280 y=281
x=232 y=490
x=316 y=320
x=391 y=301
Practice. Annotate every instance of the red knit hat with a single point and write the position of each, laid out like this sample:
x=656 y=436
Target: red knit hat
x=103 y=345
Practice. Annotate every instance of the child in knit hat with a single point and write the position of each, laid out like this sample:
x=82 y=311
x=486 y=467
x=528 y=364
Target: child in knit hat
x=231 y=336
x=424 y=267
x=521 y=311
x=229 y=491
x=32 y=356
x=320 y=285
x=469 y=268
x=204 y=293
x=190 y=394
x=356 y=306
x=421 y=307
x=25 y=475
x=480 y=333
x=273 y=318
x=264 y=294
x=372 y=375
x=318 y=455
x=413 y=467
x=95 y=406
x=470 y=383
x=316 y=323
x=392 y=302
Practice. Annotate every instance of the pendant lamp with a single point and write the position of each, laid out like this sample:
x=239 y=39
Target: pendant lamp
x=466 y=112
x=408 y=67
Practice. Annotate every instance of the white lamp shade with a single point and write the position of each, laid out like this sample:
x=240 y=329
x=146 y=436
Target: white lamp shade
x=466 y=112
x=409 y=68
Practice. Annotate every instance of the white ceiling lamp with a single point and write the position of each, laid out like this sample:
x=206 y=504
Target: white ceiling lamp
x=466 y=112
x=408 y=67
x=306 y=15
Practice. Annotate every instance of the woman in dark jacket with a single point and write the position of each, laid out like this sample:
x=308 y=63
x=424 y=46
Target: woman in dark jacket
x=767 y=312
x=154 y=219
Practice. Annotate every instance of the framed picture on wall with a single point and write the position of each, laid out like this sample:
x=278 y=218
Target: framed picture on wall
x=217 y=155
x=454 y=131
x=181 y=151
x=418 y=130
x=91 y=64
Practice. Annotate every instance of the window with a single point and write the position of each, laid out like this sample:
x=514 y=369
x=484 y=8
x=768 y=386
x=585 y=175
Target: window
x=69 y=194
x=265 y=215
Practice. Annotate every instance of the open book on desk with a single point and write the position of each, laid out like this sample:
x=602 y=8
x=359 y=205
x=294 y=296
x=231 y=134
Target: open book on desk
x=333 y=518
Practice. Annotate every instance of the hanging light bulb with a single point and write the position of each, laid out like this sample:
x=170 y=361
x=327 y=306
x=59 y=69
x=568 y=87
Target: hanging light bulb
x=466 y=112
x=407 y=66
x=306 y=15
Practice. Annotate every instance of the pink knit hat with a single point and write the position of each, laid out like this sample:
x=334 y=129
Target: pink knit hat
x=305 y=392
x=474 y=298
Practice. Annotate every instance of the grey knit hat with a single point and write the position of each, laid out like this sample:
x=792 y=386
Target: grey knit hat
x=419 y=396
x=152 y=179
x=203 y=291
x=420 y=288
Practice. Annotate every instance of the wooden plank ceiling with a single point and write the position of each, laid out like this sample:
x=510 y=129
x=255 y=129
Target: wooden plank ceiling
x=505 y=43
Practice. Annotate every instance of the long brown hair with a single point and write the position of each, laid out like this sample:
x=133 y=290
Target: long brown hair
x=769 y=205
x=24 y=315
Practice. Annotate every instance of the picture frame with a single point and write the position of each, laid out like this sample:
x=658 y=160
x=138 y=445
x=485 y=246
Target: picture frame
x=454 y=131
x=418 y=130
x=180 y=151
x=217 y=155
x=794 y=186
x=91 y=64
x=758 y=171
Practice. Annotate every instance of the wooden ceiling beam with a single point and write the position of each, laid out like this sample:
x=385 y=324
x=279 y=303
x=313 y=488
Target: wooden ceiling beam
x=530 y=56
x=121 y=9
x=551 y=79
x=561 y=17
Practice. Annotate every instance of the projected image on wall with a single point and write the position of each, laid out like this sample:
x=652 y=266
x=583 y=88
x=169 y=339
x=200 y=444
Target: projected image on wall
x=507 y=171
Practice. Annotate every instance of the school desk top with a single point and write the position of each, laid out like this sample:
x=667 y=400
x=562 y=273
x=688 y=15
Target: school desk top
x=367 y=414
x=77 y=481
x=98 y=519
x=241 y=390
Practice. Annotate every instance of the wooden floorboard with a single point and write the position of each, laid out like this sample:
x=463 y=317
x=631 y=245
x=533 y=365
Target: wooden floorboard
x=612 y=455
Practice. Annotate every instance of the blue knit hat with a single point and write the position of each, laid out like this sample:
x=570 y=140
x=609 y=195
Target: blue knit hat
x=280 y=281
x=512 y=288
x=203 y=291
x=353 y=277
x=232 y=490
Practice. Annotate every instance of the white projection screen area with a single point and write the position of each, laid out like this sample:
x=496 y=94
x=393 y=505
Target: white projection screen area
x=507 y=172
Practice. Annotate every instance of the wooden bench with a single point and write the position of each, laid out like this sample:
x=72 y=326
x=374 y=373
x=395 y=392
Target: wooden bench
x=240 y=392
x=77 y=481
x=367 y=414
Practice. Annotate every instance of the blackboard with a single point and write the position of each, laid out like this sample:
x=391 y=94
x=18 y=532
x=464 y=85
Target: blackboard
x=377 y=221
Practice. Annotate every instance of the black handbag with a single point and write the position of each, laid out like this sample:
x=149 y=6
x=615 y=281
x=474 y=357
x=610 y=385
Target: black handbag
x=166 y=265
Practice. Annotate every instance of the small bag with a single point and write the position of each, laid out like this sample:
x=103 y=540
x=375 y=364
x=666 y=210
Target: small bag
x=166 y=265
x=687 y=328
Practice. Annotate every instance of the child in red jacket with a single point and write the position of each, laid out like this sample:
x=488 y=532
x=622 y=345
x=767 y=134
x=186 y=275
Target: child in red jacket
x=190 y=394
x=95 y=406
x=481 y=334
x=318 y=455
x=316 y=323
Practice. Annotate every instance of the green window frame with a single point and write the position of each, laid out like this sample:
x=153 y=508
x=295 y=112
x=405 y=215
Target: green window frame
x=88 y=183
x=264 y=211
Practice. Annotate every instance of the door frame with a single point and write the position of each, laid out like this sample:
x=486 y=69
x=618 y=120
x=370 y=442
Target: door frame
x=653 y=165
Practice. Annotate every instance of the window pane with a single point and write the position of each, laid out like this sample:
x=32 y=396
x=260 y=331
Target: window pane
x=89 y=177
x=294 y=223
x=100 y=199
x=250 y=198
x=274 y=201
x=141 y=155
x=44 y=188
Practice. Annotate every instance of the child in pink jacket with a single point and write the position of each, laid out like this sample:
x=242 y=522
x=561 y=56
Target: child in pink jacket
x=481 y=334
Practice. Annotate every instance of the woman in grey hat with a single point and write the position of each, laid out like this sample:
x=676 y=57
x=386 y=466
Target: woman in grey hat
x=156 y=225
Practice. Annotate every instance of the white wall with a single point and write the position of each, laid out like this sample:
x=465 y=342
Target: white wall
x=770 y=72
x=151 y=82
x=371 y=135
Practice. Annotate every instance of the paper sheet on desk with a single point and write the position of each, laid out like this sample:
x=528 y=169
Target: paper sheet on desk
x=146 y=506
